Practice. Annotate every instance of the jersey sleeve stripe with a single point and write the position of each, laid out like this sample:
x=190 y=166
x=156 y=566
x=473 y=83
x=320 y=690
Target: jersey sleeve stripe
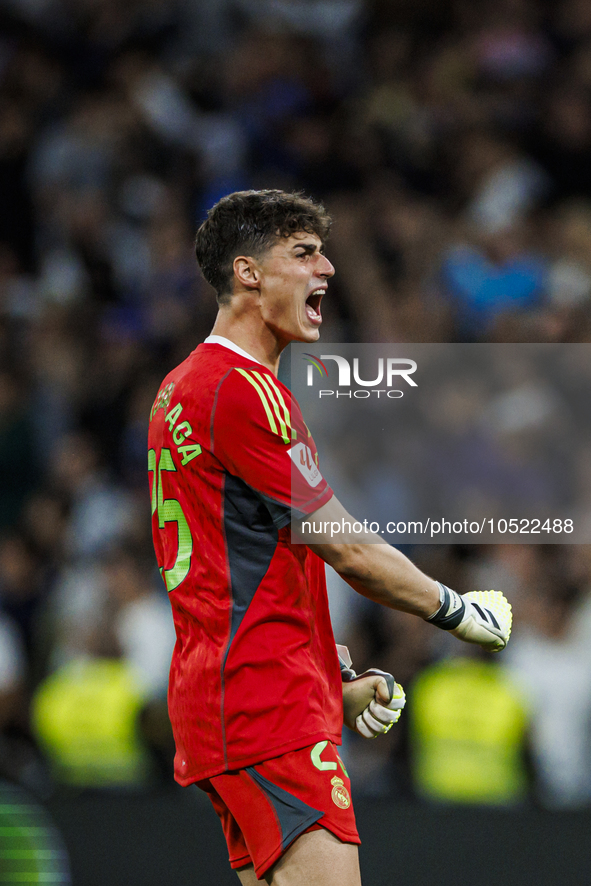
x=261 y=394
x=265 y=381
x=284 y=407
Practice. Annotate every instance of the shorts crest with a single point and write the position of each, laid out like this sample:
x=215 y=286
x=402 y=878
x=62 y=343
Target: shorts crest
x=340 y=794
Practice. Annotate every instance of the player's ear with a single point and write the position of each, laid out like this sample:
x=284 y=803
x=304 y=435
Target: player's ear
x=246 y=271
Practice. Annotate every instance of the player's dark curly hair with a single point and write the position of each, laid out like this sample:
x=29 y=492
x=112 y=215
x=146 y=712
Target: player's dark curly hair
x=249 y=223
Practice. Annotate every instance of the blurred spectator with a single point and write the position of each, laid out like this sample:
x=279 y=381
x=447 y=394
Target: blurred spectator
x=569 y=284
x=116 y=655
x=554 y=672
x=468 y=734
x=85 y=717
x=503 y=186
x=142 y=621
x=100 y=509
x=491 y=276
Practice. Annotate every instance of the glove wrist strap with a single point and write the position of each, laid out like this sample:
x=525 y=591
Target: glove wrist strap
x=452 y=609
x=347 y=673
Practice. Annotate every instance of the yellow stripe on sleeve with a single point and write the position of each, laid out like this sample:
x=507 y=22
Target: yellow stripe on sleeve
x=266 y=382
x=263 y=397
x=284 y=407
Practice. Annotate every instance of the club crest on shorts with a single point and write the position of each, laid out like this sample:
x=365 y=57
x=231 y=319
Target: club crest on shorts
x=340 y=794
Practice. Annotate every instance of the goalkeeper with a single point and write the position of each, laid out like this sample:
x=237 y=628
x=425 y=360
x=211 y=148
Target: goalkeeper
x=255 y=698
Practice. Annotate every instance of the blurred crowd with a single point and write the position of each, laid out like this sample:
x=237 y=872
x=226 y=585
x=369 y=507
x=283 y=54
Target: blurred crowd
x=451 y=140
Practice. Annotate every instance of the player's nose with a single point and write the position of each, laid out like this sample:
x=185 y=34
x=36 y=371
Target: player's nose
x=325 y=267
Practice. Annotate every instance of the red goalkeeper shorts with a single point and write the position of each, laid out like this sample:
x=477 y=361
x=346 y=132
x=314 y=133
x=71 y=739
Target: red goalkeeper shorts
x=265 y=807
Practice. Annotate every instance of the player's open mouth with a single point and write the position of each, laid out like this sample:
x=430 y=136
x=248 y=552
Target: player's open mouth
x=313 y=306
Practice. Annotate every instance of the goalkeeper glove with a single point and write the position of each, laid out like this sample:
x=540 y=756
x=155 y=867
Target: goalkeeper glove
x=482 y=617
x=372 y=701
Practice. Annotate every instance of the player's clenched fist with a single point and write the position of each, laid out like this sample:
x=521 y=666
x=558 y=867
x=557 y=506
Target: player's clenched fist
x=482 y=617
x=372 y=702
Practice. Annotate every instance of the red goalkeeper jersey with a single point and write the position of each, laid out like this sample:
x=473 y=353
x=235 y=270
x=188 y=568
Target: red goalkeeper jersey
x=254 y=672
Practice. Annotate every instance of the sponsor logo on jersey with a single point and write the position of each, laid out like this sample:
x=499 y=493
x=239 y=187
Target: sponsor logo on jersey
x=302 y=457
x=340 y=795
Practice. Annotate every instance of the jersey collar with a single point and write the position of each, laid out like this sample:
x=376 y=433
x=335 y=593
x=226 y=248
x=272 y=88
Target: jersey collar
x=226 y=343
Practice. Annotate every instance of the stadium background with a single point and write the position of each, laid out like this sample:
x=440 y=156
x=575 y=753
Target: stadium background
x=452 y=143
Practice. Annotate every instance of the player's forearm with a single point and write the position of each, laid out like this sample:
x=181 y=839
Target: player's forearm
x=383 y=574
x=372 y=567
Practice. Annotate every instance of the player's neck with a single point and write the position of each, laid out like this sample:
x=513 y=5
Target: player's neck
x=254 y=338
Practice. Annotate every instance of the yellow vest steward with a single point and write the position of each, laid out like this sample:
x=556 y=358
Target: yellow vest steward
x=468 y=728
